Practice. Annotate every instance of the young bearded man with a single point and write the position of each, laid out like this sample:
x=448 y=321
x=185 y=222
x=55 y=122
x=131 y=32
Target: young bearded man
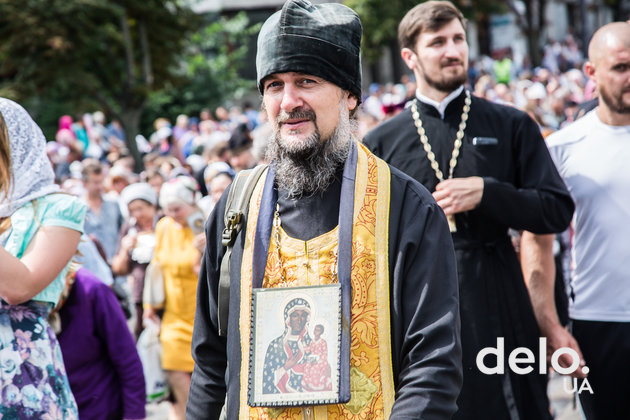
x=489 y=170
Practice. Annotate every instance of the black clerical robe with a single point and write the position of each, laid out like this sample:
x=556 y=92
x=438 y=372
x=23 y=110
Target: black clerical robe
x=426 y=353
x=522 y=190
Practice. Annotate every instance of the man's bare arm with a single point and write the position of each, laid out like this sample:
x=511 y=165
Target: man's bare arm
x=539 y=272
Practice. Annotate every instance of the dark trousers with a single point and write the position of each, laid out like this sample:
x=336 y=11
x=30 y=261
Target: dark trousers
x=606 y=350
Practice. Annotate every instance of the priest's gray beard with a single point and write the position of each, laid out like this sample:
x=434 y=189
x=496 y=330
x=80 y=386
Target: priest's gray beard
x=309 y=167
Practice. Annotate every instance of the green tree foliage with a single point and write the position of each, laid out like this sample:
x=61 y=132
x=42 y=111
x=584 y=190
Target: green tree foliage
x=531 y=23
x=381 y=18
x=214 y=57
x=380 y=22
x=107 y=53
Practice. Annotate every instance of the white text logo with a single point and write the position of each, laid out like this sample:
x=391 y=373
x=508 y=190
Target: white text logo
x=522 y=360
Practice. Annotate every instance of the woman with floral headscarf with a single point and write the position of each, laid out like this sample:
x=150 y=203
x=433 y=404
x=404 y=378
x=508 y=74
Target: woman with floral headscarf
x=180 y=243
x=40 y=231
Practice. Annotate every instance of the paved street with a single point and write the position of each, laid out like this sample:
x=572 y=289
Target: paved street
x=561 y=403
x=158 y=411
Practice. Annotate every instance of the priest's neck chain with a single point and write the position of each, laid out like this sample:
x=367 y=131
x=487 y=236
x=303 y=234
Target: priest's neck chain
x=456 y=146
x=277 y=222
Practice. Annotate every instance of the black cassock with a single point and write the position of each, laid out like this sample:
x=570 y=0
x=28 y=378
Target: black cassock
x=522 y=190
x=426 y=352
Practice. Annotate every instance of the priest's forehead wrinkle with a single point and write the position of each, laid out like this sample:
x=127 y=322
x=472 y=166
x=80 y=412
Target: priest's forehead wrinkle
x=608 y=38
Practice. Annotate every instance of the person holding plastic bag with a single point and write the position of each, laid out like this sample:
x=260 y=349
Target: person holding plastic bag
x=180 y=243
x=150 y=352
x=136 y=242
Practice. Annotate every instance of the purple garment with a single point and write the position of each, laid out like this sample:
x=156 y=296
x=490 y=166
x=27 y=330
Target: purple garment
x=100 y=354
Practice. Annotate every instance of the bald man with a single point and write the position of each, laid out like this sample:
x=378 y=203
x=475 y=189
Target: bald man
x=592 y=156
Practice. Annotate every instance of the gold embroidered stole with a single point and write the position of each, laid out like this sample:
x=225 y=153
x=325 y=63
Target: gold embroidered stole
x=310 y=263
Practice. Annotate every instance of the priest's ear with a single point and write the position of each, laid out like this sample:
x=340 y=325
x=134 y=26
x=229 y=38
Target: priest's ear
x=353 y=104
x=409 y=57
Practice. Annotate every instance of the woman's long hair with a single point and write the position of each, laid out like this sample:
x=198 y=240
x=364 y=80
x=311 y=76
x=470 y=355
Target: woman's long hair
x=5 y=159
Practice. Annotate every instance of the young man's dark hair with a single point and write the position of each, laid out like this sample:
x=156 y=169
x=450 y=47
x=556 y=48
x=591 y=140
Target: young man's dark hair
x=428 y=16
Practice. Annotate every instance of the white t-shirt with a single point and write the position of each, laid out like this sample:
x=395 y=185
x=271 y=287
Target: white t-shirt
x=594 y=160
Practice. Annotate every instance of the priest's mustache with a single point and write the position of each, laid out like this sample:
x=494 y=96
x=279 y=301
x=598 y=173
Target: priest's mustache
x=300 y=114
x=451 y=61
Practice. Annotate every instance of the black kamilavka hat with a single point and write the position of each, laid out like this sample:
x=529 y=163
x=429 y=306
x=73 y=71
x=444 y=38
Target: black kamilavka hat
x=323 y=40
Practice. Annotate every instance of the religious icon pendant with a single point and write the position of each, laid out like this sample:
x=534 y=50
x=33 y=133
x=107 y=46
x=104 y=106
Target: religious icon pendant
x=295 y=347
x=451 y=223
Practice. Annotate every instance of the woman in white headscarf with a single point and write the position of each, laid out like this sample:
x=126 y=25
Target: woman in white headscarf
x=39 y=233
x=137 y=241
x=180 y=243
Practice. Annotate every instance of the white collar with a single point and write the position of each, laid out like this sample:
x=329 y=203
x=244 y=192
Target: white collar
x=440 y=106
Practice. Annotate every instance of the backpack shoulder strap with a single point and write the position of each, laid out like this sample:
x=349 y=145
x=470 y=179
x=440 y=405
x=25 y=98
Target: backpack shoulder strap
x=236 y=207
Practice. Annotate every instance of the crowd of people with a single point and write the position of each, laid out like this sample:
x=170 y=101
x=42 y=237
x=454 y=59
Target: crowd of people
x=84 y=235
x=551 y=98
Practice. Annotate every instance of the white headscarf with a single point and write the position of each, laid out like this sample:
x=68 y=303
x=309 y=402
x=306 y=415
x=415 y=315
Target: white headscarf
x=181 y=189
x=138 y=191
x=32 y=175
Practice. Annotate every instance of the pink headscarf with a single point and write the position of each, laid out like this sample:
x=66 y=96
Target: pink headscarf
x=65 y=135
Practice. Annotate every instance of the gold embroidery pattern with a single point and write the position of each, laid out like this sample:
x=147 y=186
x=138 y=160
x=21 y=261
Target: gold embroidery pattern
x=362 y=390
x=366 y=392
x=366 y=402
x=246 y=294
x=382 y=288
x=291 y=251
x=317 y=264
